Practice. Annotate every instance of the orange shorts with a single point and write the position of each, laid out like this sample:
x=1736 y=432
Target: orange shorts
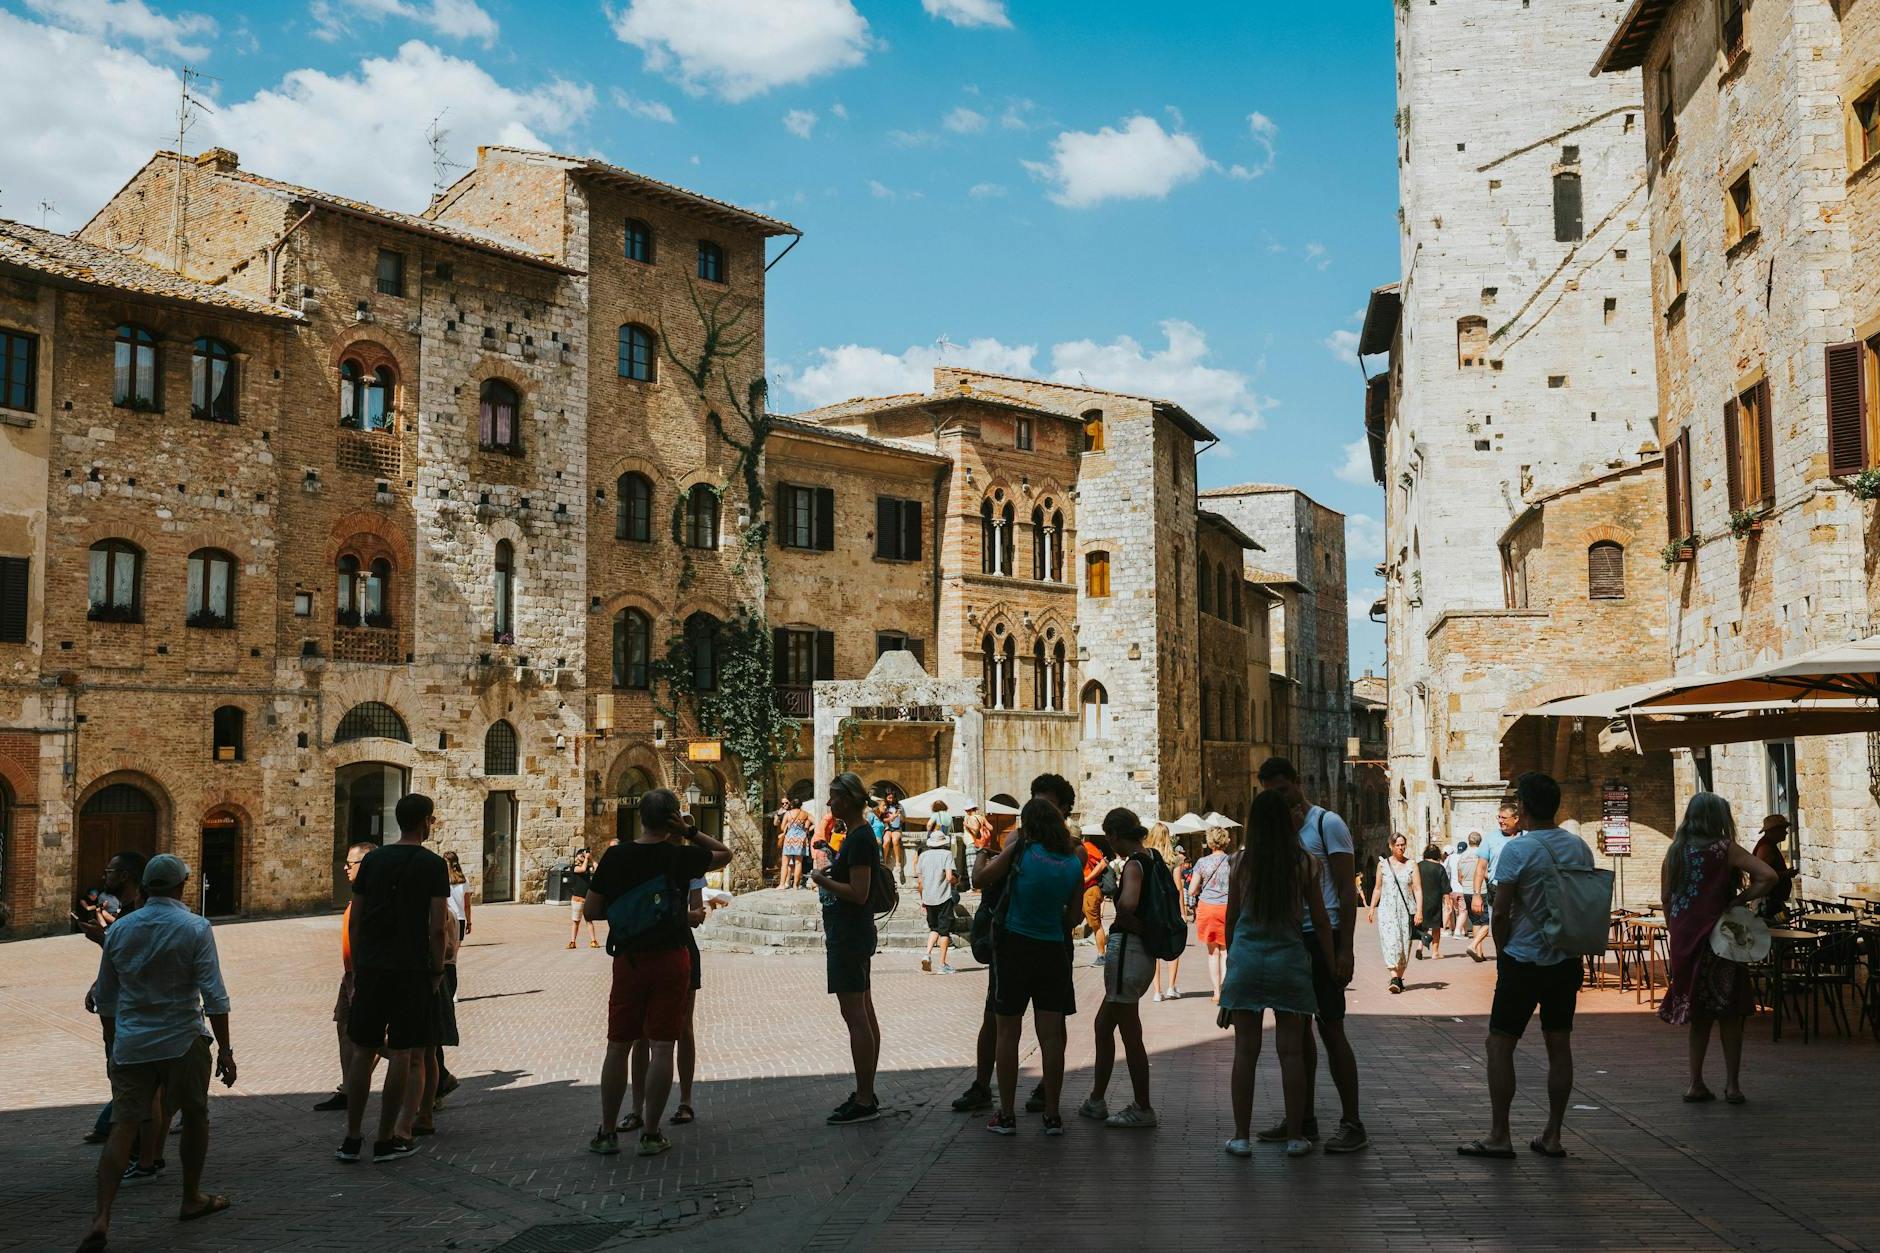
x=1211 y=925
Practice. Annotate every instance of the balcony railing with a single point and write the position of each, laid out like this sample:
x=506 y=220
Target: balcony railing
x=796 y=701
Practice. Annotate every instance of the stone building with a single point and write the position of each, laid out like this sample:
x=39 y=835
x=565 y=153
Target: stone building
x=1761 y=144
x=1303 y=561
x=1236 y=666
x=1367 y=758
x=1515 y=338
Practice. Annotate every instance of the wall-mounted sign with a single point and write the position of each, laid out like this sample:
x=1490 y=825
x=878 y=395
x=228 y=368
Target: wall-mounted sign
x=704 y=750
x=1615 y=819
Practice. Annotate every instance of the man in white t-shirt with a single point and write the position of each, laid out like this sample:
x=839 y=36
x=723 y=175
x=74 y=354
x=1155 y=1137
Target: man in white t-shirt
x=1530 y=973
x=1327 y=838
x=1460 y=866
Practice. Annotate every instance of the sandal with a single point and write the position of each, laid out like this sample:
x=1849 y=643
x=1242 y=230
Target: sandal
x=1697 y=1096
x=1539 y=1146
x=1735 y=1098
x=632 y=1122
x=215 y=1206
x=571 y=944
x=1475 y=1148
x=681 y=1116
x=594 y=943
x=94 y=1242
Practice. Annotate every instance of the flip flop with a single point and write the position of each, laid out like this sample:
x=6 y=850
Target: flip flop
x=681 y=1116
x=94 y=1242
x=1698 y=1098
x=1735 y=1098
x=1537 y=1146
x=632 y=1122
x=215 y=1206
x=1475 y=1148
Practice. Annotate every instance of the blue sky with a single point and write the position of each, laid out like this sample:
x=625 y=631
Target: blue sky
x=1188 y=200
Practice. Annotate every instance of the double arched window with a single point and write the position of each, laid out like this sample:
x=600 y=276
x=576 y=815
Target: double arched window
x=501 y=749
x=633 y=650
x=117 y=581
x=998 y=668
x=633 y=507
x=1097 y=574
x=996 y=543
x=638 y=353
x=499 y=414
x=211 y=600
x=134 y=378
x=702 y=632
x=1096 y=711
x=701 y=517
x=504 y=591
x=364 y=592
x=639 y=241
x=212 y=381
x=1047 y=543
x=365 y=397
x=711 y=261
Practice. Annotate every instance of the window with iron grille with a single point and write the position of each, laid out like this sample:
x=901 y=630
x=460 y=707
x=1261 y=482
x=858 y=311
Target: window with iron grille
x=371 y=720
x=391 y=274
x=500 y=749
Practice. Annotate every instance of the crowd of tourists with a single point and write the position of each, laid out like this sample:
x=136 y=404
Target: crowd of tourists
x=1276 y=917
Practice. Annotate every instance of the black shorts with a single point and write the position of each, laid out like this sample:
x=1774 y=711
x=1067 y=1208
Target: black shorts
x=392 y=1009
x=1521 y=987
x=698 y=966
x=849 y=944
x=1325 y=985
x=940 y=918
x=1035 y=972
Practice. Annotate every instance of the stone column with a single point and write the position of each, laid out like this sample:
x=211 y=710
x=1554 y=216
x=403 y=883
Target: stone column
x=967 y=769
x=828 y=725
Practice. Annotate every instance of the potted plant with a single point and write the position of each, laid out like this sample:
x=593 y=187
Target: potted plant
x=1678 y=550
x=1867 y=484
x=348 y=618
x=1746 y=522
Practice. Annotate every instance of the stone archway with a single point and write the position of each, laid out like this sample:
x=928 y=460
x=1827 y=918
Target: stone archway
x=898 y=689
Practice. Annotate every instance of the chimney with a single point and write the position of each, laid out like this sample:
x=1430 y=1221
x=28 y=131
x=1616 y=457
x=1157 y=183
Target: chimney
x=221 y=160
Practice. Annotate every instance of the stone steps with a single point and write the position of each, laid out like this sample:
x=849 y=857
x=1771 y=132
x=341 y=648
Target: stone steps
x=773 y=921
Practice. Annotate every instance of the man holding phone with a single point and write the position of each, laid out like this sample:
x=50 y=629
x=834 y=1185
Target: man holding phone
x=159 y=976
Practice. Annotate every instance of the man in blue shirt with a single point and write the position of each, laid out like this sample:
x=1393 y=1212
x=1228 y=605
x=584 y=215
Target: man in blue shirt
x=1530 y=973
x=1488 y=858
x=158 y=977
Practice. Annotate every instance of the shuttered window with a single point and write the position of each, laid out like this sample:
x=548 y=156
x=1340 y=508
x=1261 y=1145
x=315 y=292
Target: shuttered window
x=1749 y=447
x=1849 y=448
x=19 y=358
x=1678 y=521
x=897 y=529
x=1569 y=222
x=1605 y=571
x=806 y=518
x=15 y=583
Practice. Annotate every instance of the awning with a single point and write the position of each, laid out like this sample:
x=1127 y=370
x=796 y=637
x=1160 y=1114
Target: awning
x=1838 y=672
x=1612 y=704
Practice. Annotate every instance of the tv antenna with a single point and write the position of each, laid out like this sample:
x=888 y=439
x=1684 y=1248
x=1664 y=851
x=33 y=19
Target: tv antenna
x=46 y=208
x=441 y=164
x=188 y=106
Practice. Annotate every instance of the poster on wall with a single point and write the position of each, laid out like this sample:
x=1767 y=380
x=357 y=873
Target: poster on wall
x=1615 y=819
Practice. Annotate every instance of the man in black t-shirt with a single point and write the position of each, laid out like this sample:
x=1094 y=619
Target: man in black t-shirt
x=652 y=966
x=397 y=925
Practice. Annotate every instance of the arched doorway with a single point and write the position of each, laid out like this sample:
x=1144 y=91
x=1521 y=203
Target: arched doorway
x=221 y=870
x=803 y=791
x=119 y=818
x=365 y=794
x=499 y=846
x=633 y=785
x=706 y=796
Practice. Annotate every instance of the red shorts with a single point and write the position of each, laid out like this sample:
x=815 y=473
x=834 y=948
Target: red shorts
x=1211 y=925
x=647 y=1000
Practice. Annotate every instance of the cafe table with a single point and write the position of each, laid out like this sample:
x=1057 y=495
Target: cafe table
x=1832 y=918
x=1784 y=942
x=1649 y=930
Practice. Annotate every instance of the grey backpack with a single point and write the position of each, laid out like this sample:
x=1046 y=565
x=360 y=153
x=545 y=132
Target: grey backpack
x=1574 y=907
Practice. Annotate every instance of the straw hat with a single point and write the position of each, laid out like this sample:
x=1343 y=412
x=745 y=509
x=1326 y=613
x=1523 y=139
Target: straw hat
x=1740 y=936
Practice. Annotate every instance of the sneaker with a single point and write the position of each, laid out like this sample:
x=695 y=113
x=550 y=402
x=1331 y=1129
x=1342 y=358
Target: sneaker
x=947 y=969
x=1298 y=1148
x=1094 y=1107
x=393 y=1149
x=652 y=1144
x=1053 y=1125
x=1239 y=1148
x=976 y=1096
x=1158 y=998
x=348 y=1150
x=336 y=1101
x=1278 y=1134
x=854 y=1111
x=1131 y=1117
x=134 y=1172
x=1101 y=959
x=1034 y=1104
x=606 y=1143
x=1003 y=1125
x=1349 y=1139
x=926 y=965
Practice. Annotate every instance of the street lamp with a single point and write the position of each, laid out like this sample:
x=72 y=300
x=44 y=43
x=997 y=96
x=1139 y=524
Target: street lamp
x=692 y=794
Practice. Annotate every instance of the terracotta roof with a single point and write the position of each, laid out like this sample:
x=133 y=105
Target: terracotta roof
x=789 y=426
x=1535 y=503
x=1227 y=527
x=865 y=406
x=1631 y=43
x=1262 y=489
x=1165 y=407
x=60 y=257
x=697 y=201
x=1272 y=578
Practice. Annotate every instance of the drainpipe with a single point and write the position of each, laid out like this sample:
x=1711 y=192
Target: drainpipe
x=274 y=255
x=794 y=241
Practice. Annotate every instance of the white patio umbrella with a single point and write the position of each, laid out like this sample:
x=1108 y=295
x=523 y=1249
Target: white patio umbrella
x=1001 y=808
x=1216 y=818
x=1189 y=823
x=921 y=805
x=1091 y=829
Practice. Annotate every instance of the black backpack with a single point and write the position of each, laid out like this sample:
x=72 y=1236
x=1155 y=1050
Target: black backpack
x=1164 y=930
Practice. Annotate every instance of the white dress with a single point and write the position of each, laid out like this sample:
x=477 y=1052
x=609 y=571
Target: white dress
x=1393 y=909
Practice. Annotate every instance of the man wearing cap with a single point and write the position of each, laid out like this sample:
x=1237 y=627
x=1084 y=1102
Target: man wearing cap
x=158 y=977
x=939 y=889
x=1775 y=833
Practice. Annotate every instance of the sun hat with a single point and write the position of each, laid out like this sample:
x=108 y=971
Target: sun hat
x=937 y=839
x=165 y=871
x=1740 y=936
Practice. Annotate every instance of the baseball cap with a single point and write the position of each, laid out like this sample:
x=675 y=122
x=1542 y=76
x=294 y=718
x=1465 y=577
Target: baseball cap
x=165 y=870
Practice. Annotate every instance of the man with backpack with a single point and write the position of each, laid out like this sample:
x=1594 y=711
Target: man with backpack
x=1148 y=925
x=1531 y=972
x=642 y=889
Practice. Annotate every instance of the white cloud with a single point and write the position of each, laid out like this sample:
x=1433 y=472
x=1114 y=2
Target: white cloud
x=455 y=19
x=969 y=12
x=131 y=20
x=1316 y=254
x=854 y=370
x=1141 y=161
x=986 y=191
x=1356 y=467
x=1017 y=115
x=1265 y=132
x=964 y=121
x=1343 y=344
x=881 y=191
x=911 y=139
x=1364 y=540
x=1221 y=398
x=737 y=49
x=838 y=109
x=1358 y=604
x=640 y=107
x=800 y=122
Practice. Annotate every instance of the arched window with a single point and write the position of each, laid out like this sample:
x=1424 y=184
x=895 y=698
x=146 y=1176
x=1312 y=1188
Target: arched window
x=1058 y=676
x=633 y=650
x=504 y=590
x=1097 y=574
x=702 y=645
x=1204 y=586
x=711 y=261
x=1096 y=707
x=1207 y=713
x=1040 y=544
x=639 y=241
x=1471 y=342
x=371 y=720
x=701 y=517
x=1220 y=589
x=226 y=733
x=1605 y=571
x=352 y=400
x=347 y=602
x=212 y=381
x=211 y=598
x=378 y=592
x=1008 y=674
x=376 y=413
x=1040 y=676
x=117 y=581
x=988 y=539
x=996 y=663
x=135 y=378
x=363 y=592
x=1055 y=570
x=1008 y=538
x=638 y=355
x=500 y=749
x=1235 y=595
x=499 y=410
x=1093 y=430
x=633 y=508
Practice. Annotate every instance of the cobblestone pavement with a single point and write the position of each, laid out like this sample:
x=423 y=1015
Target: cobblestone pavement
x=509 y=1170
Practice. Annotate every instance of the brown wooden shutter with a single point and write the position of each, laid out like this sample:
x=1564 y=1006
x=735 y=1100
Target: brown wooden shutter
x=1674 y=503
x=1605 y=572
x=1732 y=454
x=885 y=527
x=825 y=519
x=910 y=530
x=15 y=583
x=1766 y=443
x=825 y=654
x=1847 y=427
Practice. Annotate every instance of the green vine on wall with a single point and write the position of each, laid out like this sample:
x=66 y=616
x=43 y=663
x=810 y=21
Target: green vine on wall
x=847 y=732
x=741 y=710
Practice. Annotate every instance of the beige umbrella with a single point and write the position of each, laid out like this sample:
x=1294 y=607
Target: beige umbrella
x=1840 y=672
x=1216 y=819
x=1189 y=823
x=920 y=805
x=1001 y=808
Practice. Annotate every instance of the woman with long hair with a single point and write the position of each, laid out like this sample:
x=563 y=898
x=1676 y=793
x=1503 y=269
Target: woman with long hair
x=1163 y=845
x=1043 y=873
x=1275 y=882
x=1396 y=902
x=1703 y=876
x=1207 y=900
